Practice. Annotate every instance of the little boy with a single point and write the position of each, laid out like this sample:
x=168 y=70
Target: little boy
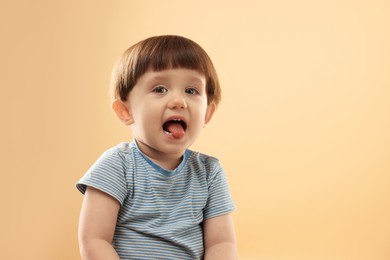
x=153 y=198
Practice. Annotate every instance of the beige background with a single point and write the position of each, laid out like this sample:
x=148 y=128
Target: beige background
x=302 y=131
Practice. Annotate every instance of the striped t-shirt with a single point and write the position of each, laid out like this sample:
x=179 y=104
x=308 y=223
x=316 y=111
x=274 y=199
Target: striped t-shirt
x=161 y=211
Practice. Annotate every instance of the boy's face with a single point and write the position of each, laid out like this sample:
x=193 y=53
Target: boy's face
x=168 y=109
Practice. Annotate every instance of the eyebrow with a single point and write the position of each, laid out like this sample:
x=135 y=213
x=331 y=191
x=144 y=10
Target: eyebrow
x=191 y=79
x=197 y=80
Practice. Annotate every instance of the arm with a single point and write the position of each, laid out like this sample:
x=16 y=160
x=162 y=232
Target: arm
x=98 y=218
x=219 y=238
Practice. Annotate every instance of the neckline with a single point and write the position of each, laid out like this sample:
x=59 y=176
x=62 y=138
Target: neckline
x=158 y=168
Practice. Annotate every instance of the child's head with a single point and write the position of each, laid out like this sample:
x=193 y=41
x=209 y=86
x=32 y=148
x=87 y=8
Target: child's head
x=159 y=53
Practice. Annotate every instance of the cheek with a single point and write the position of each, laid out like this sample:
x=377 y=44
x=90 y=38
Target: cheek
x=200 y=117
x=147 y=117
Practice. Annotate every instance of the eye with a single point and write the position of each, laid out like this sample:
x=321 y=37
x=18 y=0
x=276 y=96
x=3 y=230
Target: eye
x=192 y=91
x=160 y=90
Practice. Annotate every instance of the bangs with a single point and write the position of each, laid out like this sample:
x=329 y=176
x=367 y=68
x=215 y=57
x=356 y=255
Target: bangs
x=171 y=53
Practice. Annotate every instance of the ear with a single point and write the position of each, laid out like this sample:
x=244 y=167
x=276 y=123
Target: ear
x=209 y=112
x=122 y=112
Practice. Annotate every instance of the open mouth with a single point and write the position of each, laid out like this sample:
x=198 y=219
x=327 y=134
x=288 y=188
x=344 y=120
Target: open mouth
x=175 y=128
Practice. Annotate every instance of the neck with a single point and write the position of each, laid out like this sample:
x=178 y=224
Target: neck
x=164 y=160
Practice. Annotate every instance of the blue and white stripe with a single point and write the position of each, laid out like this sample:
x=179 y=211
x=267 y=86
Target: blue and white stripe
x=161 y=211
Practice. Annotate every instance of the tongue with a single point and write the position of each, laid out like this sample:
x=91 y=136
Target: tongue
x=175 y=129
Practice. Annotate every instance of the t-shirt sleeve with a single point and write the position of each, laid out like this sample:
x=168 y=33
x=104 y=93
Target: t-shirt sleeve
x=107 y=174
x=219 y=199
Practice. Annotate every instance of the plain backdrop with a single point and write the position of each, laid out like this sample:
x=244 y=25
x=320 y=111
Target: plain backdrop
x=302 y=130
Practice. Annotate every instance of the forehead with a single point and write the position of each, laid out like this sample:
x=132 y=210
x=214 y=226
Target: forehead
x=173 y=75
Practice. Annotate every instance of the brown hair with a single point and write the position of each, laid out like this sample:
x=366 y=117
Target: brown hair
x=159 y=53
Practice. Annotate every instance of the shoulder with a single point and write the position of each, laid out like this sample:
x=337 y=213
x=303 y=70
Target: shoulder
x=204 y=159
x=122 y=152
x=111 y=172
x=122 y=149
x=207 y=164
x=116 y=159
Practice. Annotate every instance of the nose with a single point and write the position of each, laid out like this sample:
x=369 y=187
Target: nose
x=177 y=102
